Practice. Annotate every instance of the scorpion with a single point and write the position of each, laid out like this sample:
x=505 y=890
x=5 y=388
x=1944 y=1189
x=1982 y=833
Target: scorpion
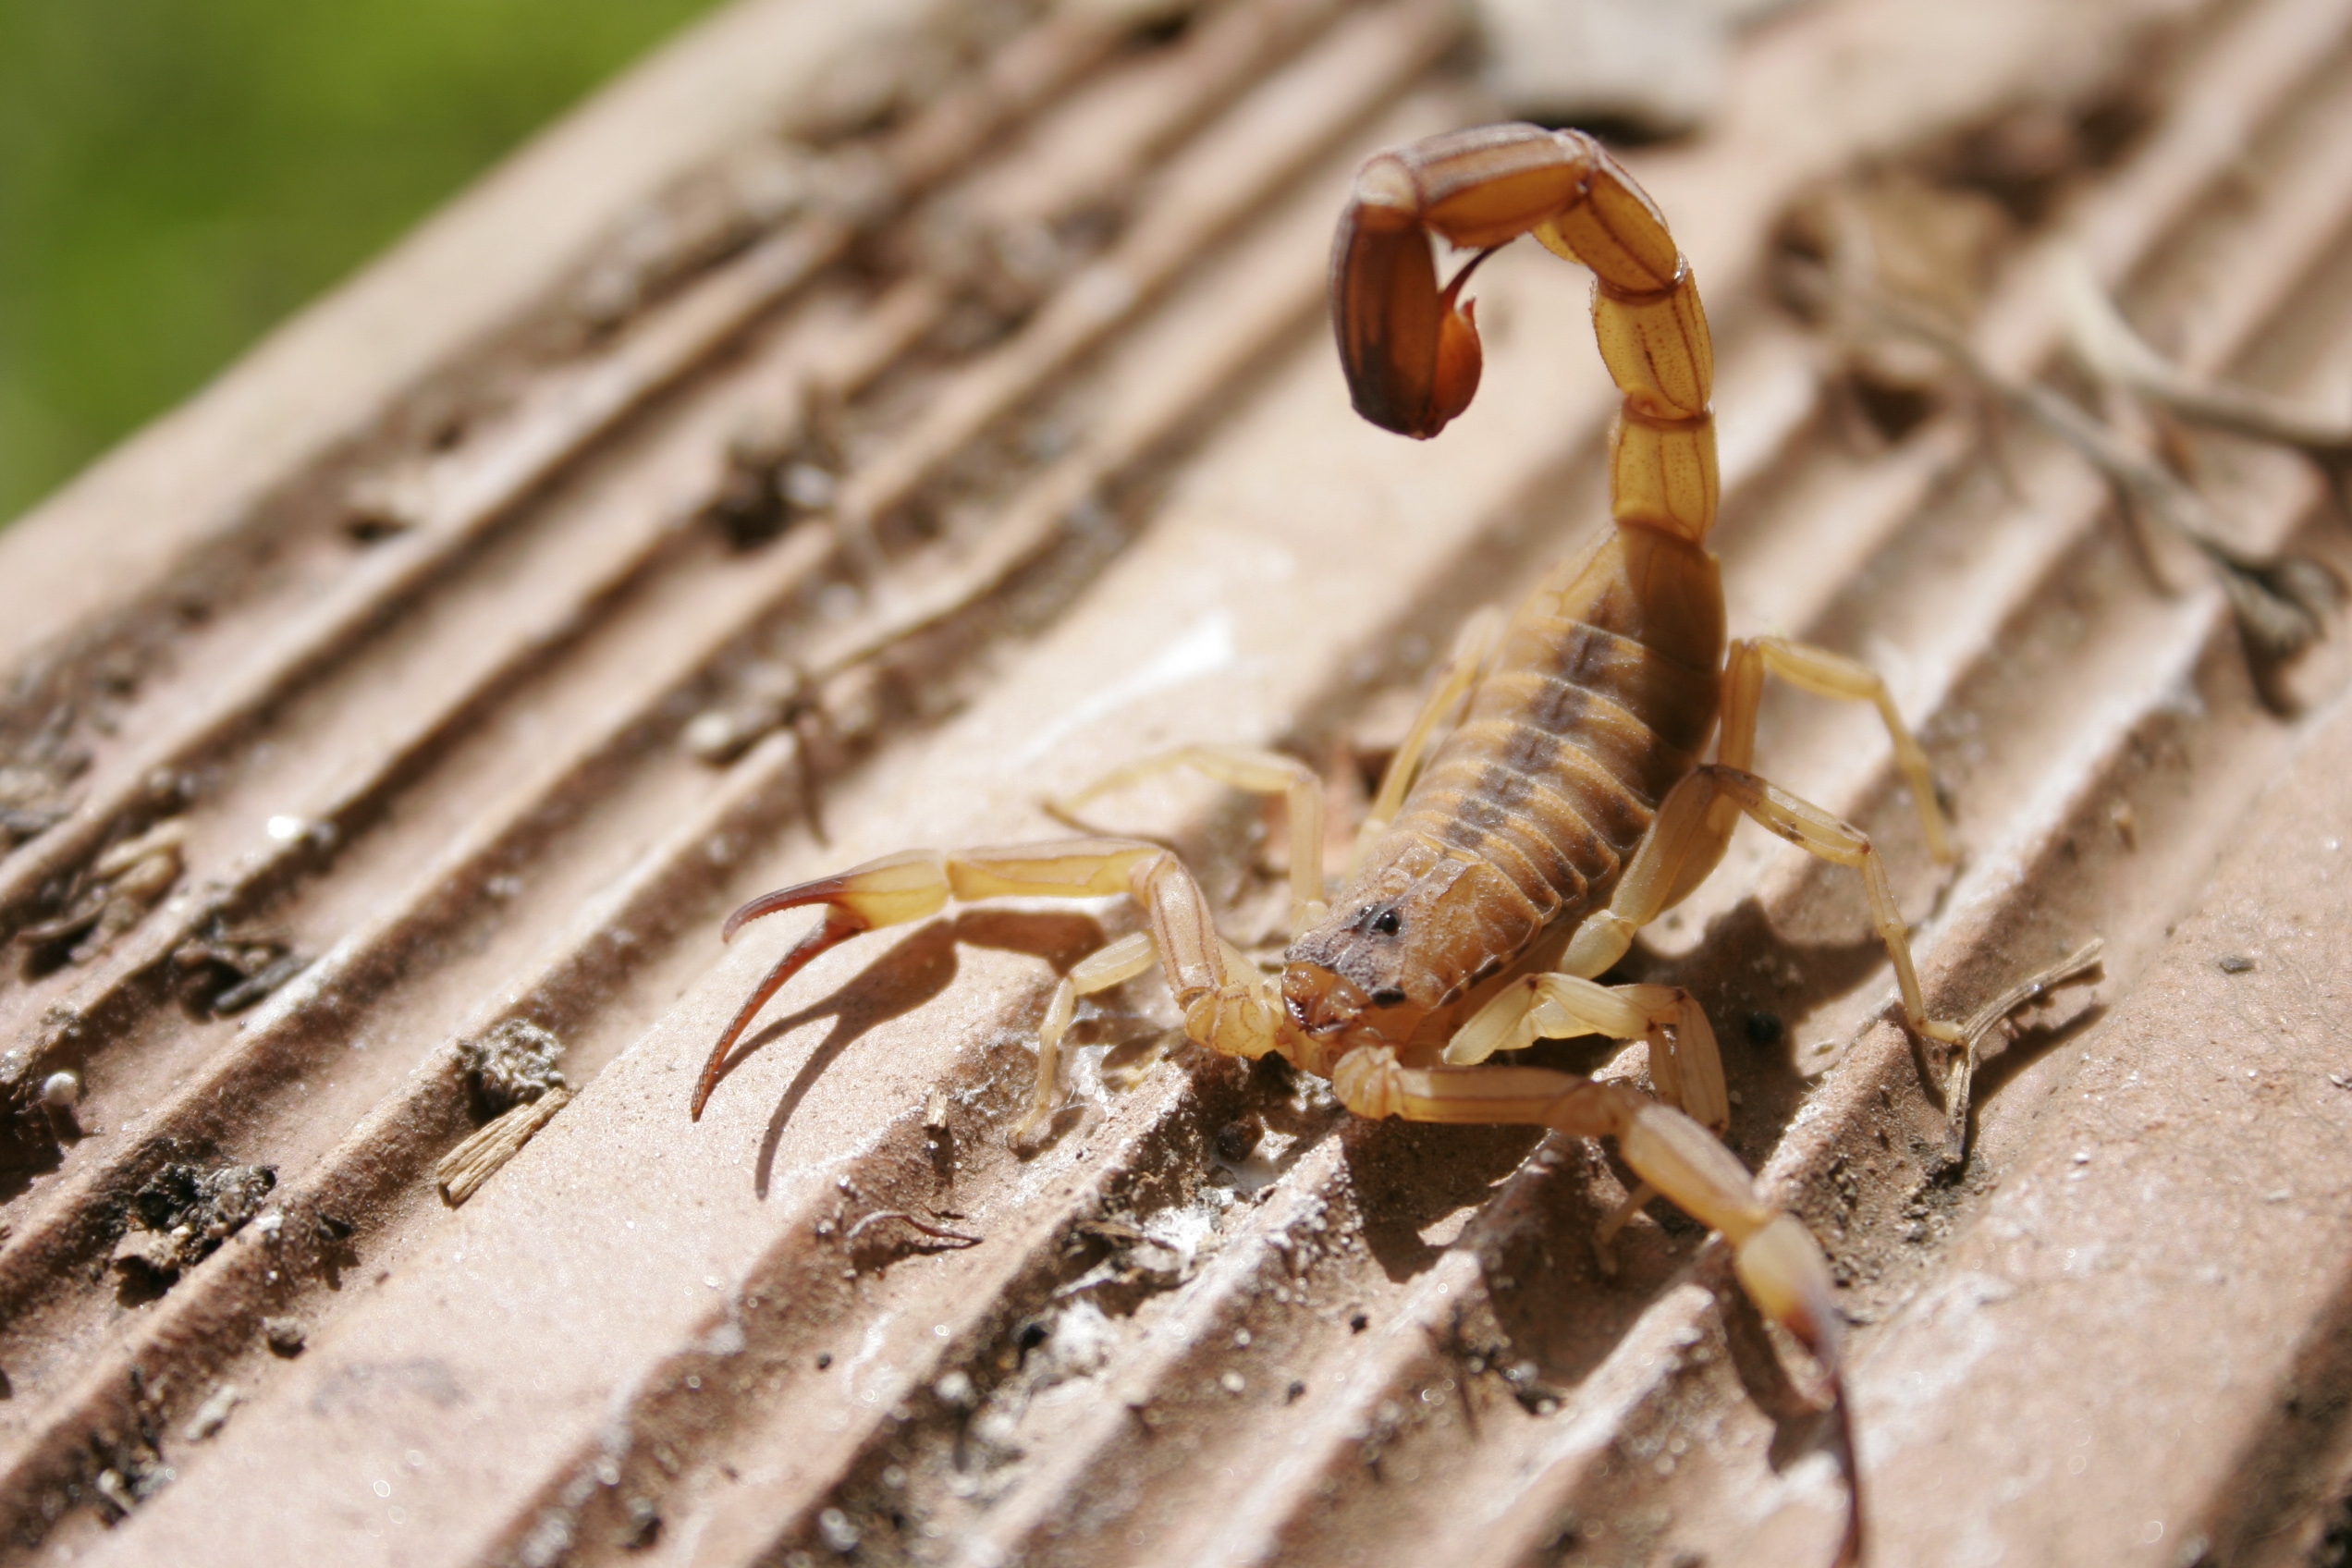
x=1507 y=861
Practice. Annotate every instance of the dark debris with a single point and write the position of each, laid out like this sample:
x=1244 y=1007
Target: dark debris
x=229 y=968
x=512 y=1065
x=106 y=899
x=184 y=1213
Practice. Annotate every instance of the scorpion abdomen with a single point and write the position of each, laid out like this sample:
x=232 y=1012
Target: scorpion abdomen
x=1601 y=697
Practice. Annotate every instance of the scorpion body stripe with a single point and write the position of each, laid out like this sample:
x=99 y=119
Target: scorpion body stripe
x=1543 y=878
x=1580 y=824
x=1538 y=809
x=1633 y=676
x=1478 y=832
x=1552 y=825
x=1616 y=739
x=1602 y=805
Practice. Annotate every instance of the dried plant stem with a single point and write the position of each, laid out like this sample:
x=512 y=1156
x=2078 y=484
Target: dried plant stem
x=2111 y=352
x=464 y=1169
x=2281 y=603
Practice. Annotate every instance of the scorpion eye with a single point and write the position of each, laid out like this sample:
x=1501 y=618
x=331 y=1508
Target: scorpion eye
x=1388 y=995
x=1386 y=924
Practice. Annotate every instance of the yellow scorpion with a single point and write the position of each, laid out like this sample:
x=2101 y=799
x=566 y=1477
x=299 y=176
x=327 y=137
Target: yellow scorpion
x=1509 y=859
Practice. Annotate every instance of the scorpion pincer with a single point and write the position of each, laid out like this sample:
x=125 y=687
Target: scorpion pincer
x=1550 y=798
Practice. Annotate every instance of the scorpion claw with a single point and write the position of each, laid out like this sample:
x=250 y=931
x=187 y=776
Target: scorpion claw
x=837 y=927
x=881 y=892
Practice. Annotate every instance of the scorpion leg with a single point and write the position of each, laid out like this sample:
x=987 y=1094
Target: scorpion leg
x=1817 y=832
x=1260 y=773
x=1684 y=1061
x=1776 y=1258
x=1688 y=839
x=1228 y=1006
x=1824 y=674
x=1473 y=650
x=1684 y=1065
x=1098 y=970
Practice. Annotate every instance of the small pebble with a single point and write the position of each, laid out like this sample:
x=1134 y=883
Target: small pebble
x=2236 y=963
x=285 y=1336
x=213 y=1415
x=807 y=487
x=60 y=1092
x=833 y=1528
x=1238 y=1139
x=712 y=735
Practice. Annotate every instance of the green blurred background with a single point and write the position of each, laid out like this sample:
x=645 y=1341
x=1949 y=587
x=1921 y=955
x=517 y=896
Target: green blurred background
x=177 y=176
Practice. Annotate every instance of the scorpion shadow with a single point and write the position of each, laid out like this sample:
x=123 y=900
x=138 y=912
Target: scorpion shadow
x=911 y=974
x=1407 y=1177
x=1755 y=982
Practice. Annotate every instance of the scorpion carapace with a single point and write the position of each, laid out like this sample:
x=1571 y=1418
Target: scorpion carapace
x=1550 y=798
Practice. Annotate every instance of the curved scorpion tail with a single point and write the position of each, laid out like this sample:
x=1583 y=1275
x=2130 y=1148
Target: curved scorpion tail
x=1409 y=349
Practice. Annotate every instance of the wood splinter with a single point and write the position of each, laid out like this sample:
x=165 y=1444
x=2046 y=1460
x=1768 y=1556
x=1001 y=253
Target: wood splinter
x=464 y=1169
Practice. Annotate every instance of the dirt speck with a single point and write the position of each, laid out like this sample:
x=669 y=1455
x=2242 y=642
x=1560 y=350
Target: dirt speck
x=227 y=969
x=183 y=1213
x=108 y=899
x=511 y=1065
